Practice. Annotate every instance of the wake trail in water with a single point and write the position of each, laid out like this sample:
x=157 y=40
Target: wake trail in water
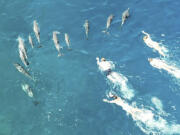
x=162 y=64
x=116 y=79
x=146 y=120
x=159 y=106
x=155 y=45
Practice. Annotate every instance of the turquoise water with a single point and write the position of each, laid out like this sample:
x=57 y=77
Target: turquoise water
x=70 y=89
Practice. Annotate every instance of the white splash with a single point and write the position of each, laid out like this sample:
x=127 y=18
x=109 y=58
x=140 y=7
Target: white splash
x=158 y=105
x=117 y=79
x=162 y=64
x=122 y=82
x=146 y=120
x=104 y=66
x=155 y=45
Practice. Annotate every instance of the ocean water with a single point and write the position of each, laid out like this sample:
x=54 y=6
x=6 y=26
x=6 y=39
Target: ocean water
x=70 y=89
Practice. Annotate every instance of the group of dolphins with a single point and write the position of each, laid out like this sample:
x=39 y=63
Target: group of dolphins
x=24 y=58
x=23 y=52
x=125 y=15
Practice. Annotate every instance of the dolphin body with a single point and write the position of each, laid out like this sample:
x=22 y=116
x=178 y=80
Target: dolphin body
x=23 y=58
x=36 y=30
x=22 y=52
x=30 y=41
x=22 y=46
x=27 y=89
x=22 y=70
x=56 y=42
x=109 y=20
x=125 y=15
x=66 y=36
x=86 y=26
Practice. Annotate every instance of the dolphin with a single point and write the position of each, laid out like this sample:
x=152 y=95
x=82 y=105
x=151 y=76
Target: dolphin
x=56 y=42
x=36 y=30
x=86 y=26
x=23 y=58
x=67 y=40
x=27 y=89
x=109 y=20
x=22 y=51
x=22 y=70
x=30 y=41
x=22 y=46
x=125 y=15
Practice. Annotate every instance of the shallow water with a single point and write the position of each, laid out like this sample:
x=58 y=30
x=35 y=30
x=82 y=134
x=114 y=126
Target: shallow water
x=70 y=89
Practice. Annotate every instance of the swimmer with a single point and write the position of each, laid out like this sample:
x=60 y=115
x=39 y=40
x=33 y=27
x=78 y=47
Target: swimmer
x=116 y=100
x=115 y=97
x=161 y=64
x=152 y=44
x=136 y=113
x=104 y=65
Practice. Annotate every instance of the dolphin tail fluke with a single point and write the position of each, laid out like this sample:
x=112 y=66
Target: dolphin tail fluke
x=122 y=24
x=57 y=32
x=105 y=31
x=59 y=55
x=38 y=40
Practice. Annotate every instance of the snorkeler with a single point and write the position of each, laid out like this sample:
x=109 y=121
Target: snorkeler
x=117 y=100
x=105 y=66
x=155 y=45
x=162 y=64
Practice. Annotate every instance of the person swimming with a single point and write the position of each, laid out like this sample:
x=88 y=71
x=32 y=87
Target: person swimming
x=155 y=45
x=162 y=64
x=105 y=66
x=117 y=79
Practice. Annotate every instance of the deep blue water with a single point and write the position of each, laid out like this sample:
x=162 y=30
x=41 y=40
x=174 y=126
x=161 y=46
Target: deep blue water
x=71 y=88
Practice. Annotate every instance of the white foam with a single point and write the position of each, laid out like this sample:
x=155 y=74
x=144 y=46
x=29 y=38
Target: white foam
x=159 y=106
x=157 y=103
x=155 y=45
x=146 y=120
x=162 y=64
x=119 y=80
x=104 y=66
x=163 y=35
